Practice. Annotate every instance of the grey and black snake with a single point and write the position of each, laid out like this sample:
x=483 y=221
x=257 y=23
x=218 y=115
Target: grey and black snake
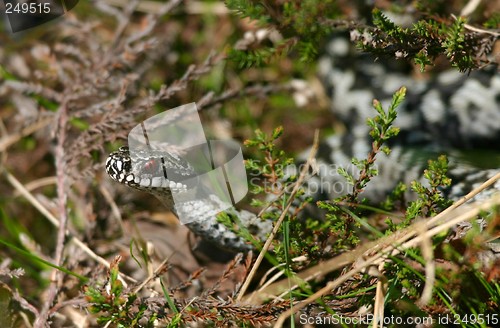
x=448 y=113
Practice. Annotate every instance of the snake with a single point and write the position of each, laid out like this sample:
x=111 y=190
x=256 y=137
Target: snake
x=449 y=112
x=144 y=170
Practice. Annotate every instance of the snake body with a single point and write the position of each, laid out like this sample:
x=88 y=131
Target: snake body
x=145 y=171
x=449 y=112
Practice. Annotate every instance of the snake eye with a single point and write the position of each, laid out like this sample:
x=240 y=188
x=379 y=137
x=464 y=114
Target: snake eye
x=150 y=167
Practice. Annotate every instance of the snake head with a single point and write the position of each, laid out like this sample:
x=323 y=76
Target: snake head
x=119 y=166
x=146 y=170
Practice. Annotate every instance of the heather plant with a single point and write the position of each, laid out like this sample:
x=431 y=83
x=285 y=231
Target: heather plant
x=72 y=89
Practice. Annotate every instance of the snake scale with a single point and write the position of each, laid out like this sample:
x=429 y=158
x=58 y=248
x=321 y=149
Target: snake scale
x=448 y=112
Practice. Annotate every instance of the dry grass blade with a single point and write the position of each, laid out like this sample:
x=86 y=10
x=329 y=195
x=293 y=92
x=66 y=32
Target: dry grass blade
x=297 y=185
x=55 y=222
x=376 y=252
x=381 y=254
x=449 y=217
x=162 y=267
x=9 y=140
x=378 y=307
x=430 y=268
